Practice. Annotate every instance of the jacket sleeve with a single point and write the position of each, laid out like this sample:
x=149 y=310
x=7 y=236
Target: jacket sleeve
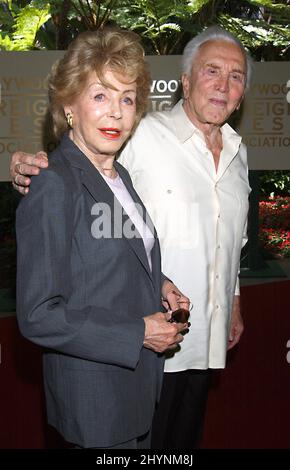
x=44 y=229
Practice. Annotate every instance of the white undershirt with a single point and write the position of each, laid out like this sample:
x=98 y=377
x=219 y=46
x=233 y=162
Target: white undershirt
x=125 y=199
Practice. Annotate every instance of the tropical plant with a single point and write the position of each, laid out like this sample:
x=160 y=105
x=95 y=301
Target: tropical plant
x=275 y=183
x=95 y=13
x=70 y=17
x=161 y=23
x=19 y=25
x=38 y=24
x=164 y=25
x=262 y=26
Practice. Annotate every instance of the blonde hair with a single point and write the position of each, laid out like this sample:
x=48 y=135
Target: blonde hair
x=96 y=51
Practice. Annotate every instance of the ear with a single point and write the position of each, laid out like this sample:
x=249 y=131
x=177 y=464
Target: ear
x=240 y=102
x=185 y=85
x=67 y=110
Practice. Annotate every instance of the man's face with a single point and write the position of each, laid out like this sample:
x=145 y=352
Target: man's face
x=216 y=85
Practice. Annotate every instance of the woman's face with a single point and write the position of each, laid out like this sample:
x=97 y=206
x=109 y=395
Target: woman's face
x=103 y=117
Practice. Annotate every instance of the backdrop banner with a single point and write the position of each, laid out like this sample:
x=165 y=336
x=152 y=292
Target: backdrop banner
x=263 y=120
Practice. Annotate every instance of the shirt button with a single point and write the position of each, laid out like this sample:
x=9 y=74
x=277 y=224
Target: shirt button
x=218 y=247
x=217 y=307
x=219 y=216
x=217 y=276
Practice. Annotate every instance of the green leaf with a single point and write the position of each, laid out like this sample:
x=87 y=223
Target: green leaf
x=197 y=5
x=5 y=43
x=27 y=24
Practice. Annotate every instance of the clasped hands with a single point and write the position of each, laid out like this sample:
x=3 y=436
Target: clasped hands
x=160 y=334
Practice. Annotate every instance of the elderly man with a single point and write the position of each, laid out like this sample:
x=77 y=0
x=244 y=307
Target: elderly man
x=190 y=169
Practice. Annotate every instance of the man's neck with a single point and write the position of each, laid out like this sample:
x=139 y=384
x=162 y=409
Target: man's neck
x=211 y=132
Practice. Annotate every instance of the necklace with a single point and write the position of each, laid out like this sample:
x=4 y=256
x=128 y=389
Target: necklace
x=102 y=170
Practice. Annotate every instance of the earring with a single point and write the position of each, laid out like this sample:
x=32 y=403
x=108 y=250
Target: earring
x=69 y=120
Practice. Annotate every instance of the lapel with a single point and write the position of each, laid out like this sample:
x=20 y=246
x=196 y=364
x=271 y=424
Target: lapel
x=101 y=192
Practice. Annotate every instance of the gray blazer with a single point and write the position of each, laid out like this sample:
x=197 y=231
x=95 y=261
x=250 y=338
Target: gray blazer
x=83 y=299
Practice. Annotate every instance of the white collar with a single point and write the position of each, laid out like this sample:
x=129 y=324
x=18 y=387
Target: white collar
x=185 y=129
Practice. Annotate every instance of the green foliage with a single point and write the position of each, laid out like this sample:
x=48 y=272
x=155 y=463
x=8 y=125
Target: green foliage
x=265 y=31
x=275 y=8
x=27 y=24
x=164 y=25
x=159 y=22
x=257 y=35
x=197 y=5
x=94 y=14
x=22 y=25
x=273 y=183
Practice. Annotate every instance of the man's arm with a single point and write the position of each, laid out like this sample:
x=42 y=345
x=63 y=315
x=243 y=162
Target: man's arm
x=23 y=165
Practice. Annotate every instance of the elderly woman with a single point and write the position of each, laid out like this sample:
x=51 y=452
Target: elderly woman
x=89 y=285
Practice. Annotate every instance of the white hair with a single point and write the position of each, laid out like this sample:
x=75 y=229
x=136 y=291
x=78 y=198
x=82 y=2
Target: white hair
x=213 y=33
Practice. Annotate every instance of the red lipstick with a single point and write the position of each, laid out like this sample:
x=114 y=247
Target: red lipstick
x=110 y=132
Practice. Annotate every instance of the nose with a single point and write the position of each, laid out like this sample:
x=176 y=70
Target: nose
x=115 y=109
x=222 y=83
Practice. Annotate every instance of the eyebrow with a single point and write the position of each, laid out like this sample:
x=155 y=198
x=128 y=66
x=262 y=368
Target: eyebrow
x=215 y=66
x=130 y=91
x=112 y=88
x=239 y=71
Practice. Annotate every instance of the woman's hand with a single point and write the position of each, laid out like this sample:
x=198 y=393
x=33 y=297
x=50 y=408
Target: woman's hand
x=160 y=334
x=172 y=298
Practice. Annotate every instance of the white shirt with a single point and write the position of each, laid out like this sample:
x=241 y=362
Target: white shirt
x=124 y=197
x=200 y=216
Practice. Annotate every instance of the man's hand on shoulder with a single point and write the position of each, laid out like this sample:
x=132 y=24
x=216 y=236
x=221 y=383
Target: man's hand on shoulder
x=23 y=165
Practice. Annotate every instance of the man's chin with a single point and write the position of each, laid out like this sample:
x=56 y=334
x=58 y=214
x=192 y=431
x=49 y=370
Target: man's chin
x=217 y=119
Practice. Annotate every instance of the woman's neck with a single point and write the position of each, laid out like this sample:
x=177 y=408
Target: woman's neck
x=102 y=162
